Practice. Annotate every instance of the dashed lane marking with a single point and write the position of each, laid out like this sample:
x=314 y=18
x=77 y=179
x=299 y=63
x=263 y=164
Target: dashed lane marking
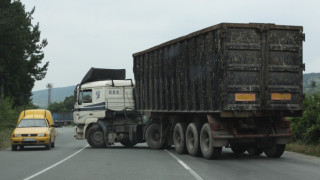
x=185 y=166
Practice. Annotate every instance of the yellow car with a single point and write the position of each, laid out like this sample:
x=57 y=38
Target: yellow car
x=34 y=128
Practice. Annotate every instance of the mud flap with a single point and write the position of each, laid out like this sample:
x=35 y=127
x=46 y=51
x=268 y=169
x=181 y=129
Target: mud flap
x=283 y=140
x=220 y=142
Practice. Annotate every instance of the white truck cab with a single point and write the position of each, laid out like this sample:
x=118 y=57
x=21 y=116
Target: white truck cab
x=96 y=99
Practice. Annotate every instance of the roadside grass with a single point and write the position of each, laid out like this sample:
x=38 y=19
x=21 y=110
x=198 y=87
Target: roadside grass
x=313 y=150
x=5 y=134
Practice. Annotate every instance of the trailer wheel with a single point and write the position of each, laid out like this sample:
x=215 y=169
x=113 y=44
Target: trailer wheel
x=275 y=151
x=179 y=138
x=254 y=150
x=96 y=137
x=153 y=136
x=238 y=148
x=128 y=143
x=206 y=144
x=192 y=139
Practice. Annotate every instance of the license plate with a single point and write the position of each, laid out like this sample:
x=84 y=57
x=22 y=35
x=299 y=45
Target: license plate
x=281 y=96
x=28 y=139
x=245 y=97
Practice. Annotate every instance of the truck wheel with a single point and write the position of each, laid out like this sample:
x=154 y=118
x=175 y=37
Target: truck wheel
x=254 y=150
x=179 y=139
x=153 y=136
x=192 y=139
x=275 y=151
x=96 y=137
x=238 y=148
x=206 y=144
x=127 y=143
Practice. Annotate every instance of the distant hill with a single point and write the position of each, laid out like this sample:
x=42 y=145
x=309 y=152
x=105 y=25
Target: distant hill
x=40 y=98
x=307 y=83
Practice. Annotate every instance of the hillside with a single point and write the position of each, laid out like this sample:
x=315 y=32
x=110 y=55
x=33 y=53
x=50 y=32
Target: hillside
x=40 y=98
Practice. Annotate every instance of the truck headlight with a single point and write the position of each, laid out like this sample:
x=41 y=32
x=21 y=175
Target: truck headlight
x=16 y=135
x=41 y=134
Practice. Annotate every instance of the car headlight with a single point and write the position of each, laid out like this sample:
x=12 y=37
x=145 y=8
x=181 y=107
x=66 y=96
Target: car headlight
x=16 y=135
x=41 y=134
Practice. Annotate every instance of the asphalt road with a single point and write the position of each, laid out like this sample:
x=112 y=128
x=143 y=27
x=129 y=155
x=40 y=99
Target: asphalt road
x=73 y=159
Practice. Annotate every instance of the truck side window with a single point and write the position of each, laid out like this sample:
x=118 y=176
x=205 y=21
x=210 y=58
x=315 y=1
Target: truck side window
x=87 y=96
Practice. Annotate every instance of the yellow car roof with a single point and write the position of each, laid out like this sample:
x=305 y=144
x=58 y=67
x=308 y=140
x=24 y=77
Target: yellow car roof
x=36 y=114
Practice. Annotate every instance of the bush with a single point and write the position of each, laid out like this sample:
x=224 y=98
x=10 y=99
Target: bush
x=8 y=114
x=307 y=128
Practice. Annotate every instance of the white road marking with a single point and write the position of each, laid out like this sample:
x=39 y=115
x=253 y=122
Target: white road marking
x=185 y=166
x=56 y=164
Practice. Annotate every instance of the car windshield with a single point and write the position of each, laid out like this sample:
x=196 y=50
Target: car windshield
x=32 y=123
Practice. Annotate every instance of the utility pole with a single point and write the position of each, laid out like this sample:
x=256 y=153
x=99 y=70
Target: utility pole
x=49 y=86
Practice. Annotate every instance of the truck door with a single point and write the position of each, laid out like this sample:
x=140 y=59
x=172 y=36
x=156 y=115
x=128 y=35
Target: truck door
x=263 y=68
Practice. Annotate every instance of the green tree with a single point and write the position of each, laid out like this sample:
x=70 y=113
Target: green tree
x=21 y=53
x=307 y=128
x=65 y=106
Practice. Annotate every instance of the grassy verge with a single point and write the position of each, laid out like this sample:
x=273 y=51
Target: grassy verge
x=313 y=150
x=5 y=137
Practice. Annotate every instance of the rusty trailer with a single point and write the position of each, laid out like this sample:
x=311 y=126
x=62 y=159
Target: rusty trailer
x=226 y=85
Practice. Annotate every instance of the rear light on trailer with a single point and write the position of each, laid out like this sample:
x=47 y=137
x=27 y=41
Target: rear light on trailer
x=281 y=96
x=245 y=97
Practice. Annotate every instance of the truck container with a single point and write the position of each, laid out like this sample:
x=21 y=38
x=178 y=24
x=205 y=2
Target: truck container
x=226 y=85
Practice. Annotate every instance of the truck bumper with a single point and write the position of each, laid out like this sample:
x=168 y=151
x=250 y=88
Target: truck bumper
x=78 y=133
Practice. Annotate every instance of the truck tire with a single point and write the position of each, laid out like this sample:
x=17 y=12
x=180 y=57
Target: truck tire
x=96 y=137
x=206 y=144
x=275 y=151
x=153 y=136
x=238 y=148
x=192 y=139
x=253 y=150
x=179 y=138
x=127 y=143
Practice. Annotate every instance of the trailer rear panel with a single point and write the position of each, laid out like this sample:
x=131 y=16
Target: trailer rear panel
x=227 y=69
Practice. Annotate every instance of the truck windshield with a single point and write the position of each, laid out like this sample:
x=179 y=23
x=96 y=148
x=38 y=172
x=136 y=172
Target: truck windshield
x=32 y=123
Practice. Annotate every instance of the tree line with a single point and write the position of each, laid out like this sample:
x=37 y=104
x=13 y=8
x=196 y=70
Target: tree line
x=21 y=55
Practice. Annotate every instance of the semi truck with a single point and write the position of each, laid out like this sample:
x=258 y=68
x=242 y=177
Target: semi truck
x=229 y=85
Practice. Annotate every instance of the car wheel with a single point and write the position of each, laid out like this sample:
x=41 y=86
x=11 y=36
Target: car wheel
x=48 y=147
x=52 y=144
x=14 y=147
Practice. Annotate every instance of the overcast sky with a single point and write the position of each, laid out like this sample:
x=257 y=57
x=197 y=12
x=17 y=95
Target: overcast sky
x=104 y=33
